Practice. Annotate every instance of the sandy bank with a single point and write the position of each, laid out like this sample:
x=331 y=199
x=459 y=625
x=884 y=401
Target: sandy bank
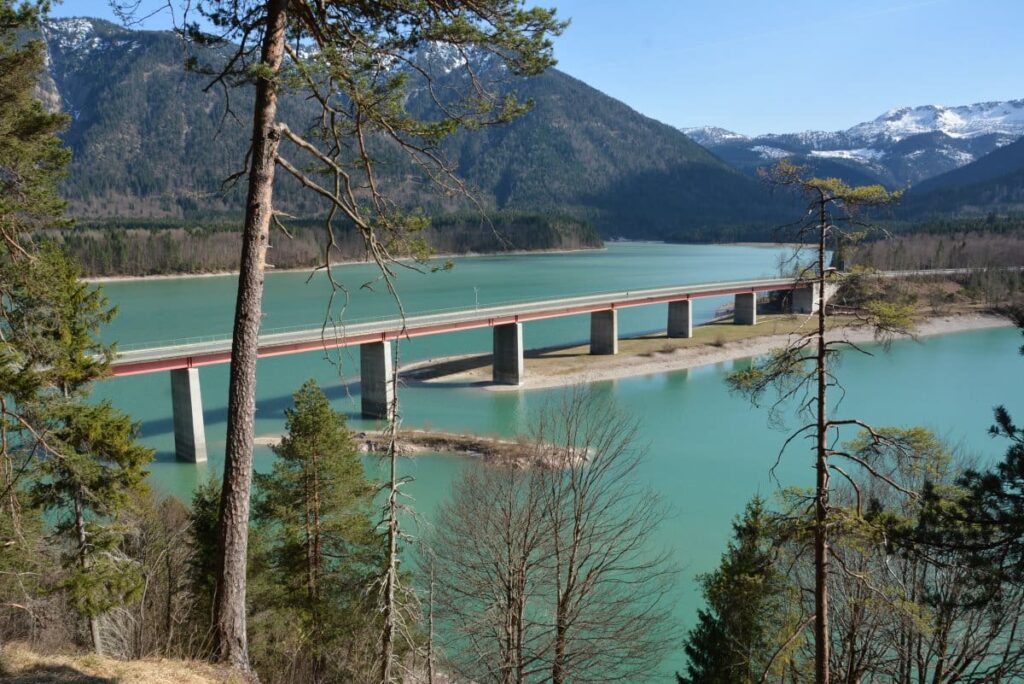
x=411 y=442
x=713 y=343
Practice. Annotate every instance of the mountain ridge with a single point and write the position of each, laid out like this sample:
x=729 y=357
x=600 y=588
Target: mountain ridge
x=150 y=143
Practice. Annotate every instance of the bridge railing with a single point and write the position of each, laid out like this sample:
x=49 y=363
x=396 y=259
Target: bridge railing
x=338 y=328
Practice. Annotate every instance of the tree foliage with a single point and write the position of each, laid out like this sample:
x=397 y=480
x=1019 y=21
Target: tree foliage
x=743 y=632
x=318 y=550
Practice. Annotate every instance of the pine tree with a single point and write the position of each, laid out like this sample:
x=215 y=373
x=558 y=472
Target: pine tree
x=834 y=212
x=318 y=544
x=342 y=57
x=740 y=634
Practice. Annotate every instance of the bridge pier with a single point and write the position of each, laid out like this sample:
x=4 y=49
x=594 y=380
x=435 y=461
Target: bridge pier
x=187 y=408
x=604 y=332
x=680 y=319
x=508 y=354
x=745 y=309
x=375 y=386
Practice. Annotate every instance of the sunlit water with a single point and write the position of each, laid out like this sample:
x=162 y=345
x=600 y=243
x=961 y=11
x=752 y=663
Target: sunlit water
x=708 y=451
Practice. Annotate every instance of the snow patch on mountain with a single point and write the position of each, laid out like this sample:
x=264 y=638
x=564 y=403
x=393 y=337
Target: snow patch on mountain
x=864 y=154
x=73 y=33
x=712 y=135
x=771 y=153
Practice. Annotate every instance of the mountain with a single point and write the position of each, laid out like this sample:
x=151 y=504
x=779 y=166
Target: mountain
x=150 y=142
x=900 y=148
x=992 y=184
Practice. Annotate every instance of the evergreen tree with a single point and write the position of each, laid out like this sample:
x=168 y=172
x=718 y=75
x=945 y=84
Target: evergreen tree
x=318 y=547
x=82 y=457
x=740 y=634
x=91 y=466
x=32 y=161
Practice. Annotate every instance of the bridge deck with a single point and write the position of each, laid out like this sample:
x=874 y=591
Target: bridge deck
x=207 y=352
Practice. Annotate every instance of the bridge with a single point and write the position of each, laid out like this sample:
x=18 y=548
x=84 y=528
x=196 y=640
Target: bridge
x=183 y=360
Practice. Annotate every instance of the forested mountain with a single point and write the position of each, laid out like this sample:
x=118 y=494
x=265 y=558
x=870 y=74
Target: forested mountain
x=149 y=142
x=993 y=184
x=900 y=148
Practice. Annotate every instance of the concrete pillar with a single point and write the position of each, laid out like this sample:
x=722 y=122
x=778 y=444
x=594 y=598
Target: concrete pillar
x=604 y=332
x=375 y=384
x=187 y=408
x=805 y=299
x=745 y=309
x=680 y=319
x=508 y=354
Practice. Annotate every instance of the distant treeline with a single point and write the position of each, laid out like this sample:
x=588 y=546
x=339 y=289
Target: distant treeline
x=139 y=248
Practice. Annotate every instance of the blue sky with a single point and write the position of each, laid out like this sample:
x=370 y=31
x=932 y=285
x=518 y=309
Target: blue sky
x=757 y=66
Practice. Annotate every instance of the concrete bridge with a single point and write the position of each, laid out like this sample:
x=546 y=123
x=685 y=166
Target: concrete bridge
x=183 y=360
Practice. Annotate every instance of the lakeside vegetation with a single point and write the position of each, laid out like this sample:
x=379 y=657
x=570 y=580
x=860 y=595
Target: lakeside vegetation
x=141 y=248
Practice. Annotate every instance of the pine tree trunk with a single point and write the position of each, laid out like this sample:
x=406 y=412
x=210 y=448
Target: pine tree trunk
x=821 y=627
x=233 y=531
x=94 y=623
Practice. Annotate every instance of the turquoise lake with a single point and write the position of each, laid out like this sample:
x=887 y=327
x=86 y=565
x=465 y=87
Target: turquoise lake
x=708 y=451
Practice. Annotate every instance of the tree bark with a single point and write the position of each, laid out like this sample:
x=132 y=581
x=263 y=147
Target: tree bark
x=821 y=627
x=229 y=603
x=94 y=624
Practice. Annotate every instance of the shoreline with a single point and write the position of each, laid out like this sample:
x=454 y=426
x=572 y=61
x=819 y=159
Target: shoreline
x=413 y=441
x=99 y=280
x=664 y=360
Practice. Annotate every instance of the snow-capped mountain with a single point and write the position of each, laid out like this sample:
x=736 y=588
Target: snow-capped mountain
x=899 y=148
x=968 y=121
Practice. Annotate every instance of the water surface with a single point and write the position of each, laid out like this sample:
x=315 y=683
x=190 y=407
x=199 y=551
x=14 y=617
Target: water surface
x=708 y=451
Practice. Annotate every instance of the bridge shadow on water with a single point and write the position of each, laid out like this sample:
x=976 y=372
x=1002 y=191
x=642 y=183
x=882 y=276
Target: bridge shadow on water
x=269 y=407
x=274 y=407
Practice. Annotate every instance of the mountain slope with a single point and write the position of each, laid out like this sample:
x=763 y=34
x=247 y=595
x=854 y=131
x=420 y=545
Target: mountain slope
x=149 y=142
x=899 y=148
x=993 y=184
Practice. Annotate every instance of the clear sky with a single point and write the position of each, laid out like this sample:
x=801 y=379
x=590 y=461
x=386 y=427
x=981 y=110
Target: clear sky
x=758 y=66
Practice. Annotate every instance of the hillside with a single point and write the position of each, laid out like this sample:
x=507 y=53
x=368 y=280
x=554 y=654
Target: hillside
x=149 y=143
x=993 y=184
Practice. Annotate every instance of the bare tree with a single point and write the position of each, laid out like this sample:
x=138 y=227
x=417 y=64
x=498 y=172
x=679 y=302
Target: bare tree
x=610 y=605
x=548 y=571
x=488 y=548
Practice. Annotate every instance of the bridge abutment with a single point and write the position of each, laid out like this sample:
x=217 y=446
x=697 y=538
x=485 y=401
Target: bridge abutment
x=680 y=319
x=604 y=332
x=805 y=299
x=187 y=408
x=375 y=387
x=745 y=309
x=508 y=354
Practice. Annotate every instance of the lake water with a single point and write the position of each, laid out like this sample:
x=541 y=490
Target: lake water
x=708 y=451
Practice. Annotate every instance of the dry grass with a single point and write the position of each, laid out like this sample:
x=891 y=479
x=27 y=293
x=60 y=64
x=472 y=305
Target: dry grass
x=21 y=665
x=554 y=362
